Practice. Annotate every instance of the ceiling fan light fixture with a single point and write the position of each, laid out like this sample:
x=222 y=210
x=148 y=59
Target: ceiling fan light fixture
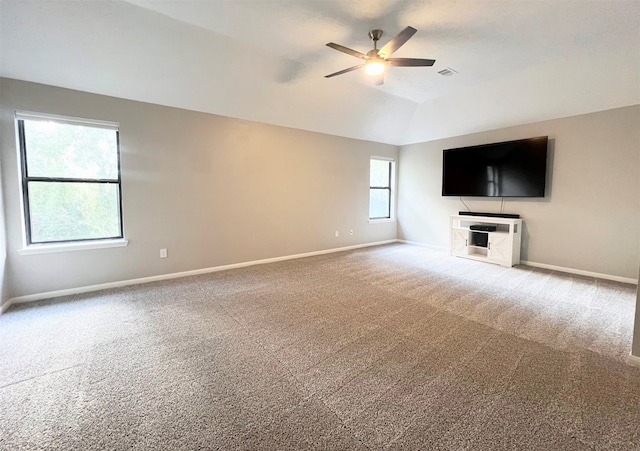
x=374 y=68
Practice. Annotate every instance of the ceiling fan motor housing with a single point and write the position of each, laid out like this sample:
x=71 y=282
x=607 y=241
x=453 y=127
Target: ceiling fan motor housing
x=372 y=54
x=375 y=35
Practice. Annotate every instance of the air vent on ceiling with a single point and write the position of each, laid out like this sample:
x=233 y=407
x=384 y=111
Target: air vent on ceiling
x=447 y=72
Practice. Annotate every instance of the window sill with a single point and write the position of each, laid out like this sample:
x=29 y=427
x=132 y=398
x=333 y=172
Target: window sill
x=376 y=221
x=69 y=247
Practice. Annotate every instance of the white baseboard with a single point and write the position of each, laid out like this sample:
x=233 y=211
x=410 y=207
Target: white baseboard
x=5 y=306
x=124 y=283
x=430 y=246
x=633 y=360
x=542 y=265
x=581 y=272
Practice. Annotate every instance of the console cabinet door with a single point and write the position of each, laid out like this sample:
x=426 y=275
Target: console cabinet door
x=499 y=248
x=459 y=242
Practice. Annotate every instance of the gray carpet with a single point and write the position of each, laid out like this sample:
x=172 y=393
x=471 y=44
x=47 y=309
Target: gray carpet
x=394 y=347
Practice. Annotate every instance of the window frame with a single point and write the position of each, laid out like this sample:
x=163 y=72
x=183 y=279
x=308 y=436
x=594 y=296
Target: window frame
x=74 y=244
x=389 y=188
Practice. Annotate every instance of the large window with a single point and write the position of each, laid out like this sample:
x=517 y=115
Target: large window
x=70 y=179
x=380 y=195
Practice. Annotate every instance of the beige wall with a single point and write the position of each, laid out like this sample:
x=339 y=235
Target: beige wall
x=210 y=189
x=590 y=217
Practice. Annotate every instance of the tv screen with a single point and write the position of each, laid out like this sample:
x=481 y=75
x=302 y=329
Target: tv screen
x=506 y=169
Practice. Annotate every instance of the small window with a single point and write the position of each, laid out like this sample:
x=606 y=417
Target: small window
x=71 y=182
x=380 y=196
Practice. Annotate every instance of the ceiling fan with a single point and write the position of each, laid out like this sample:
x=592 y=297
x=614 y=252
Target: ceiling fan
x=376 y=60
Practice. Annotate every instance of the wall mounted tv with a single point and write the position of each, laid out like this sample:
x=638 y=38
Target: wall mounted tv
x=506 y=169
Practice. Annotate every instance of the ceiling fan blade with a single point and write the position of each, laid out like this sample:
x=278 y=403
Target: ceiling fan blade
x=348 y=51
x=409 y=62
x=396 y=42
x=344 y=71
x=378 y=79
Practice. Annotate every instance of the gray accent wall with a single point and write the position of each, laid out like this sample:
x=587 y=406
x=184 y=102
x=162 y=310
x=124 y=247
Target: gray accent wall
x=212 y=190
x=590 y=217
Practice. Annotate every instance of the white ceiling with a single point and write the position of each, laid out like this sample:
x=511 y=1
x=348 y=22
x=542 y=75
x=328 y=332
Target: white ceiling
x=265 y=60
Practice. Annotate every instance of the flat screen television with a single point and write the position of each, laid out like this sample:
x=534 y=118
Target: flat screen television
x=506 y=169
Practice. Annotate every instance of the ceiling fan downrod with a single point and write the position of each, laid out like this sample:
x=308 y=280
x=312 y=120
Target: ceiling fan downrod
x=375 y=36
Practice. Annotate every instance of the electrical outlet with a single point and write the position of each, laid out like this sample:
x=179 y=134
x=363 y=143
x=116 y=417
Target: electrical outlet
x=163 y=253
x=337 y=234
x=350 y=231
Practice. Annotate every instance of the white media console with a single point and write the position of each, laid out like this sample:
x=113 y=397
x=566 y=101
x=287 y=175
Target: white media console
x=501 y=246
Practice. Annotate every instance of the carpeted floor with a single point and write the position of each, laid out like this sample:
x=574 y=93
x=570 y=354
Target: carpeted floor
x=393 y=347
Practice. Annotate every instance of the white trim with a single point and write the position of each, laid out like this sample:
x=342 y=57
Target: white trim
x=581 y=272
x=124 y=283
x=381 y=221
x=544 y=265
x=21 y=187
x=5 y=306
x=430 y=246
x=61 y=247
x=633 y=360
x=31 y=115
x=69 y=247
x=393 y=189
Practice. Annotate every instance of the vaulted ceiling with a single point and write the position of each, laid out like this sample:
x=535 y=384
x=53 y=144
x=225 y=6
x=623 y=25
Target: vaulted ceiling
x=265 y=60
